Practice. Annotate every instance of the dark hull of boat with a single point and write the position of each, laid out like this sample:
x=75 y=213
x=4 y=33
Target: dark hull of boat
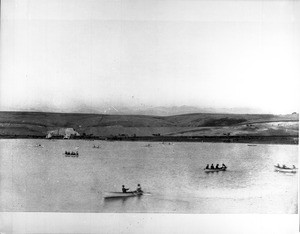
x=121 y=194
x=215 y=170
x=285 y=170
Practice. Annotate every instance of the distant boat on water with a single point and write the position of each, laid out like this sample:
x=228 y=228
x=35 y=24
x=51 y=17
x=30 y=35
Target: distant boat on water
x=252 y=145
x=215 y=169
x=121 y=194
x=71 y=154
x=285 y=169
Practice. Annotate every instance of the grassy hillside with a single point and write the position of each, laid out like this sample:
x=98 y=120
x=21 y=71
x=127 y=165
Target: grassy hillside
x=38 y=123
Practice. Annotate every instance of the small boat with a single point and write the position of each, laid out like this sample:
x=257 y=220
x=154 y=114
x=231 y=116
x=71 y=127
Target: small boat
x=71 y=154
x=285 y=169
x=252 y=145
x=215 y=169
x=122 y=195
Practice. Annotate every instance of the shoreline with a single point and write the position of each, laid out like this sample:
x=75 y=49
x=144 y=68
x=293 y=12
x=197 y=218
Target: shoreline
x=286 y=140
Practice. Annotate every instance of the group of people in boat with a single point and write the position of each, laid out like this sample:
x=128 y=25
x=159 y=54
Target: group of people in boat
x=96 y=146
x=138 y=189
x=72 y=154
x=215 y=167
x=285 y=167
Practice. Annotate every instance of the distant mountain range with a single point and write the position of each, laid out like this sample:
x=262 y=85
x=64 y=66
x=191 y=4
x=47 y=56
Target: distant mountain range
x=179 y=110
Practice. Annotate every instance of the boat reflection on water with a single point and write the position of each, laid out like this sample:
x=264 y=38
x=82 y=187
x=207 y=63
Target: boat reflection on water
x=121 y=203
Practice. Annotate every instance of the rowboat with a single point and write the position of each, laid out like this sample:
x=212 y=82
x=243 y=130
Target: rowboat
x=286 y=169
x=216 y=169
x=121 y=194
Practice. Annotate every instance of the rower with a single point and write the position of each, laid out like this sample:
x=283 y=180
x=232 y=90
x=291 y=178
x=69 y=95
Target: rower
x=207 y=166
x=217 y=166
x=124 y=190
x=223 y=165
x=212 y=166
x=139 y=189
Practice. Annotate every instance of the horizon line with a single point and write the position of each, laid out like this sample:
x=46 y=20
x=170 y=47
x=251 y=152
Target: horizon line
x=136 y=114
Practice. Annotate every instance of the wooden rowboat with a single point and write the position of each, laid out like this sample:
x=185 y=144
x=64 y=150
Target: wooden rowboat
x=285 y=169
x=216 y=169
x=121 y=194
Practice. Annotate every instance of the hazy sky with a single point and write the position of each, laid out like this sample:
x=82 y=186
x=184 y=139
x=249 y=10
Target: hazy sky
x=64 y=54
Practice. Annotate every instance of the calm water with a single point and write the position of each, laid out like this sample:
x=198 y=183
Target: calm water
x=43 y=179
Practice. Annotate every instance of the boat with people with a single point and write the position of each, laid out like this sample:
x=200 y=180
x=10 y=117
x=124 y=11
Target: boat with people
x=285 y=169
x=125 y=193
x=71 y=154
x=216 y=168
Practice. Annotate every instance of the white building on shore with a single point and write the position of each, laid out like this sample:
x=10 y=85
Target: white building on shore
x=67 y=133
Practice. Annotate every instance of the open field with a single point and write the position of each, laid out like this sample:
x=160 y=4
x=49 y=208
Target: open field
x=36 y=124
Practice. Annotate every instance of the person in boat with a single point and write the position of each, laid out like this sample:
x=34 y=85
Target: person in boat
x=207 y=166
x=212 y=166
x=294 y=167
x=223 y=165
x=217 y=166
x=283 y=166
x=124 y=190
x=139 y=189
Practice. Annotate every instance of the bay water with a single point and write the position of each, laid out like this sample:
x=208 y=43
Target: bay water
x=42 y=179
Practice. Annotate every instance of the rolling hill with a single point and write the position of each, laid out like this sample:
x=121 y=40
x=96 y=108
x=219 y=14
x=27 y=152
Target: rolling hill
x=20 y=124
